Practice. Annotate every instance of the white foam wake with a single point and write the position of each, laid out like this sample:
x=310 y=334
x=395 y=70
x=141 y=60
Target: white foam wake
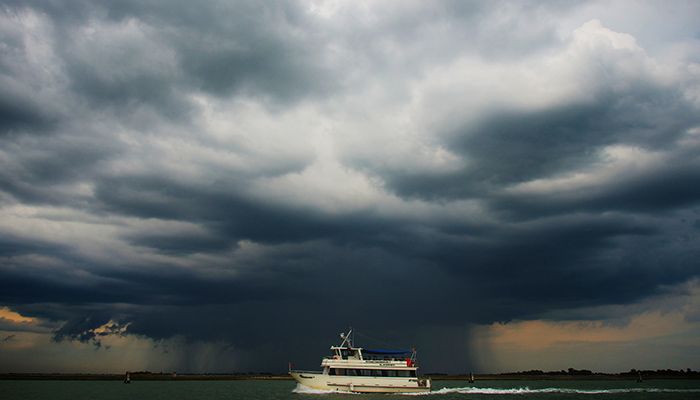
x=301 y=389
x=307 y=390
x=527 y=390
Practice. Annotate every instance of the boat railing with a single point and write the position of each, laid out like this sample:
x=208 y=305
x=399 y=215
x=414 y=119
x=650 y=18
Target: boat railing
x=384 y=358
x=367 y=358
x=364 y=360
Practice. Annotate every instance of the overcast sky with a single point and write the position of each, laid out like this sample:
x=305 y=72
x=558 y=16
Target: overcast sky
x=225 y=186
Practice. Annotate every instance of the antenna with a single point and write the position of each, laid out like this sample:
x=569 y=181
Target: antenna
x=347 y=338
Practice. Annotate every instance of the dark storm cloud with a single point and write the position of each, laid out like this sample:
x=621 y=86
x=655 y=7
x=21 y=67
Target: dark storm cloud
x=119 y=282
x=262 y=53
x=11 y=245
x=33 y=168
x=556 y=263
x=21 y=110
x=131 y=183
x=245 y=310
x=251 y=312
x=180 y=243
x=41 y=285
x=228 y=214
x=18 y=114
x=174 y=48
x=510 y=147
x=668 y=188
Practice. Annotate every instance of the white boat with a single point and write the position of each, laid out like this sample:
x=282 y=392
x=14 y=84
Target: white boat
x=360 y=370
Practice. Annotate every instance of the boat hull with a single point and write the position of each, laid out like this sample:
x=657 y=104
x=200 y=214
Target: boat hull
x=361 y=384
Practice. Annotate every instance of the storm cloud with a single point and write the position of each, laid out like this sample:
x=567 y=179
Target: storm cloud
x=257 y=176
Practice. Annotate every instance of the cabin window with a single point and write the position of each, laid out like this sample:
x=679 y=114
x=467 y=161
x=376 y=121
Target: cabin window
x=391 y=373
x=338 y=371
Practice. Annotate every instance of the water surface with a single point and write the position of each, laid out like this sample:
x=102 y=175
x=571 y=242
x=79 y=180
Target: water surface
x=278 y=390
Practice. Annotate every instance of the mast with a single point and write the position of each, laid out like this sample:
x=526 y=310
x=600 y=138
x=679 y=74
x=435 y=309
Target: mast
x=347 y=338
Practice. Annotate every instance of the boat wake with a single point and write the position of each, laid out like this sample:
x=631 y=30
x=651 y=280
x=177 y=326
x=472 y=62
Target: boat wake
x=301 y=389
x=527 y=390
x=307 y=390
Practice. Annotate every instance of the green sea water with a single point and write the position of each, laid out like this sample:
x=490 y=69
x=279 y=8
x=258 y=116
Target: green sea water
x=278 y=390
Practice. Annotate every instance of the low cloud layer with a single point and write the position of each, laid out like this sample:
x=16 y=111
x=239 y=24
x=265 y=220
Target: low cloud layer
x=255 y=177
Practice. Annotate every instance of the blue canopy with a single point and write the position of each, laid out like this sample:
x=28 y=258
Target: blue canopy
x=384 y=351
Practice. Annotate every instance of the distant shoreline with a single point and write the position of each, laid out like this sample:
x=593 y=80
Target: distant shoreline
x=141 y=377
x=148 y=376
